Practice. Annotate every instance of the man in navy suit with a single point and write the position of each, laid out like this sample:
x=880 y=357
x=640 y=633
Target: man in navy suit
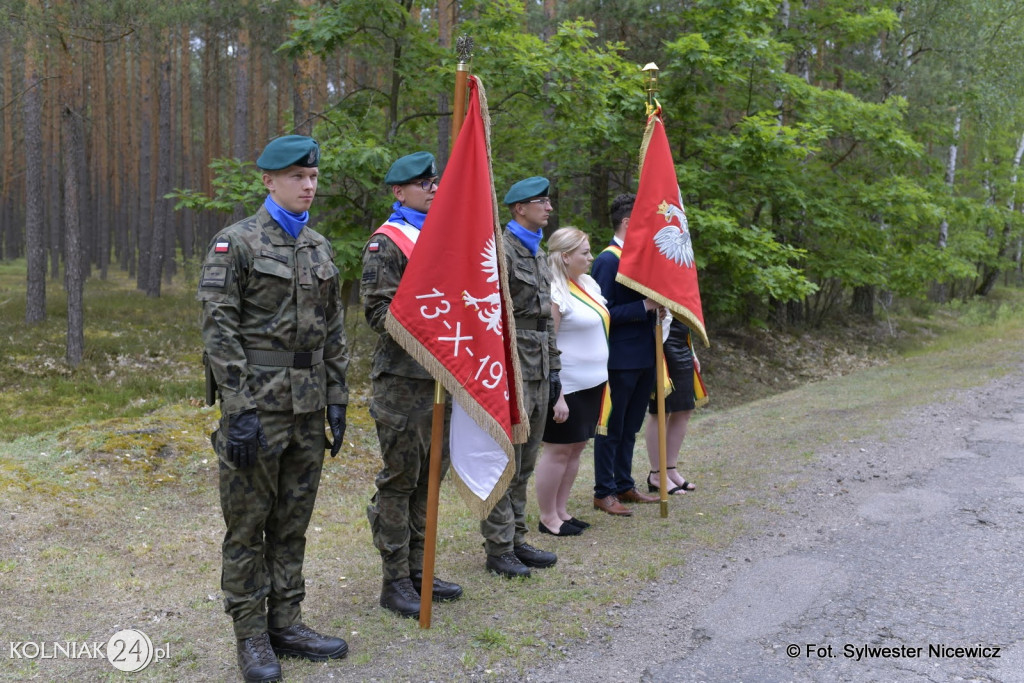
x=630 y=373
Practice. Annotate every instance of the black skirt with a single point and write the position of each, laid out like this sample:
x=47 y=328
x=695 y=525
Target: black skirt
x=679 y=360
x=584 y=412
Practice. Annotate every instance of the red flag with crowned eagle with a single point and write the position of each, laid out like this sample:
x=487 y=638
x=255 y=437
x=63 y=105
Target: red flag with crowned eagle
x=657 y=258
x=452 y=314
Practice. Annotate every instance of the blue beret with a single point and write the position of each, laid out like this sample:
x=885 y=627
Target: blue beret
x=410 y=167
x=537 y=186
x=290 y=150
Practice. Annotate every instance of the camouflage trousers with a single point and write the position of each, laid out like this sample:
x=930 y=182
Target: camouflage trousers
x=403 y=410
x=505 y=526
x=266 y=509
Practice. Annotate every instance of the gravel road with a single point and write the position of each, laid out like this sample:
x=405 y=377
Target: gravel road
x=900 y=559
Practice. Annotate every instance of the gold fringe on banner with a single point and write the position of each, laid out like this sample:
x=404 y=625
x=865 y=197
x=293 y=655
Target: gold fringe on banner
x=520 y=431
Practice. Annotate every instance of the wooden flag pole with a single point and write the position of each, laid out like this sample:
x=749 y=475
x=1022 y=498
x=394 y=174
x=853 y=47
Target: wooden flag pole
x=433 y=499
x=659 y=393
x=464 y=46
x=651 y=69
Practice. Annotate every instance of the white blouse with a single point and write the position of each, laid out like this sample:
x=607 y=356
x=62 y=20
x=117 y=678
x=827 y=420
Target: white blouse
x=581 y=338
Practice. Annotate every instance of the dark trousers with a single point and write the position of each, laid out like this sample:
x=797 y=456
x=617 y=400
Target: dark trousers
x=403 y=409
x=613 y=452
x=505 y=526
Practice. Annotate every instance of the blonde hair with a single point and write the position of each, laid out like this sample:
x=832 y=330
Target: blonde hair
x=565 y=240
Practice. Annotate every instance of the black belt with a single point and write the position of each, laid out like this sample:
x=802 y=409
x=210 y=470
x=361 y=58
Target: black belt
x=539 y=324
x=285 y=359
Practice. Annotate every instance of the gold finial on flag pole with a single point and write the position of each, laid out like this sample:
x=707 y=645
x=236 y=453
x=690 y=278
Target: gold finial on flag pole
x=651 y=69
x=464 y=50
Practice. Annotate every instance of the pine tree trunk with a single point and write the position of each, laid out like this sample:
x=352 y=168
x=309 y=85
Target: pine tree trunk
x=72 y=146
x=103 y=149
x=240 y=142
x=187 y=174
x=446 y=10
x=54 y=205
x=35 y=227
x=162 y=162
x=144 y=228
x=8 y=183
x=73 y=278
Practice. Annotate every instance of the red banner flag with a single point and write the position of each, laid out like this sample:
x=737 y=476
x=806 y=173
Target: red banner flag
x=452 y=313
x=657 y=259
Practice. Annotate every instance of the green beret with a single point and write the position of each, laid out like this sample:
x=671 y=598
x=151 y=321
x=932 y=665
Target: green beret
x=537 y=186
x=410 y=167
x=290 y=150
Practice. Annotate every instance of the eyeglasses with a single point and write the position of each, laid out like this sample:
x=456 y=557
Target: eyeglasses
x=426 y=184
x=538 y=200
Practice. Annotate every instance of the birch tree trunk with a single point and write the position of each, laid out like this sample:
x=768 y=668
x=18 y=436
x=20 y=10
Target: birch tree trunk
x=991 y=274
x=950 y=178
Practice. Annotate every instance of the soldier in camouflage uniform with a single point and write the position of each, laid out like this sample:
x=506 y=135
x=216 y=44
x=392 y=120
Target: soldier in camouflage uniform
x=274 y=340
x=504 y=530
x=403 y=398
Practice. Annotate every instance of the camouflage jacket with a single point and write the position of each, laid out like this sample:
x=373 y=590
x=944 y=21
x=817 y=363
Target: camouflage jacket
x=382 y=271
x=262 y=289
x=529 y=281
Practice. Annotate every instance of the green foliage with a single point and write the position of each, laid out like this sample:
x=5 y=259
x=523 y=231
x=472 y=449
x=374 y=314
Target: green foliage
x=810 y=153
x=235 y=183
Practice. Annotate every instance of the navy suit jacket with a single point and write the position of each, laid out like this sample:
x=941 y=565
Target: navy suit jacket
x=631 y=339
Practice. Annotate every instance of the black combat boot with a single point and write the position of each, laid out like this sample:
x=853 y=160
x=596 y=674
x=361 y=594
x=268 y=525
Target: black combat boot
x=298 y=640
x=534 y=557
x=443 y=591
x=400 y=597
x=507 y=565
x=257 y=660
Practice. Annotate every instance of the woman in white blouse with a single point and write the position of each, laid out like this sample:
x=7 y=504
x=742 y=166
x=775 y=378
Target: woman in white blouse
x=581 y=325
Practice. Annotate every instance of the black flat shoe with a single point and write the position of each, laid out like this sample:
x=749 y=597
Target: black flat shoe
x=565 y=530
x=577 y=522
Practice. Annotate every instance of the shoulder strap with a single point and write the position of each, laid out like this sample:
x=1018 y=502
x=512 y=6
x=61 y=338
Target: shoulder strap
x=615 y=249
x=403 y=236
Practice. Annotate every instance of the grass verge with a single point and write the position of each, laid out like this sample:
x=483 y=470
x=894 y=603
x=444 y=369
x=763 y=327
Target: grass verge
x=111 y=516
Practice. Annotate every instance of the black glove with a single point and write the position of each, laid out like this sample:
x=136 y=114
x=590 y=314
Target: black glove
x=556 y=386
x=245 y=437
x=336 y=421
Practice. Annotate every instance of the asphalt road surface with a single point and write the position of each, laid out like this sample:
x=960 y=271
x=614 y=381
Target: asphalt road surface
x=900 y=560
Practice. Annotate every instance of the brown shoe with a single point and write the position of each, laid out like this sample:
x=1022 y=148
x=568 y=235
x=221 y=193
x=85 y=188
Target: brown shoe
x=612 y=506
x=634 y=496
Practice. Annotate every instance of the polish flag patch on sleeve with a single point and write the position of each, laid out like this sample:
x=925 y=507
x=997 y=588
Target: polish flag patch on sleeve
x=373 y=246
x=221 y=247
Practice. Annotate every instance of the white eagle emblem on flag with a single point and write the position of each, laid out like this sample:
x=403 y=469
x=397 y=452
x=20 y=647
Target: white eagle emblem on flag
x=674 y=242
x=488 y=307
